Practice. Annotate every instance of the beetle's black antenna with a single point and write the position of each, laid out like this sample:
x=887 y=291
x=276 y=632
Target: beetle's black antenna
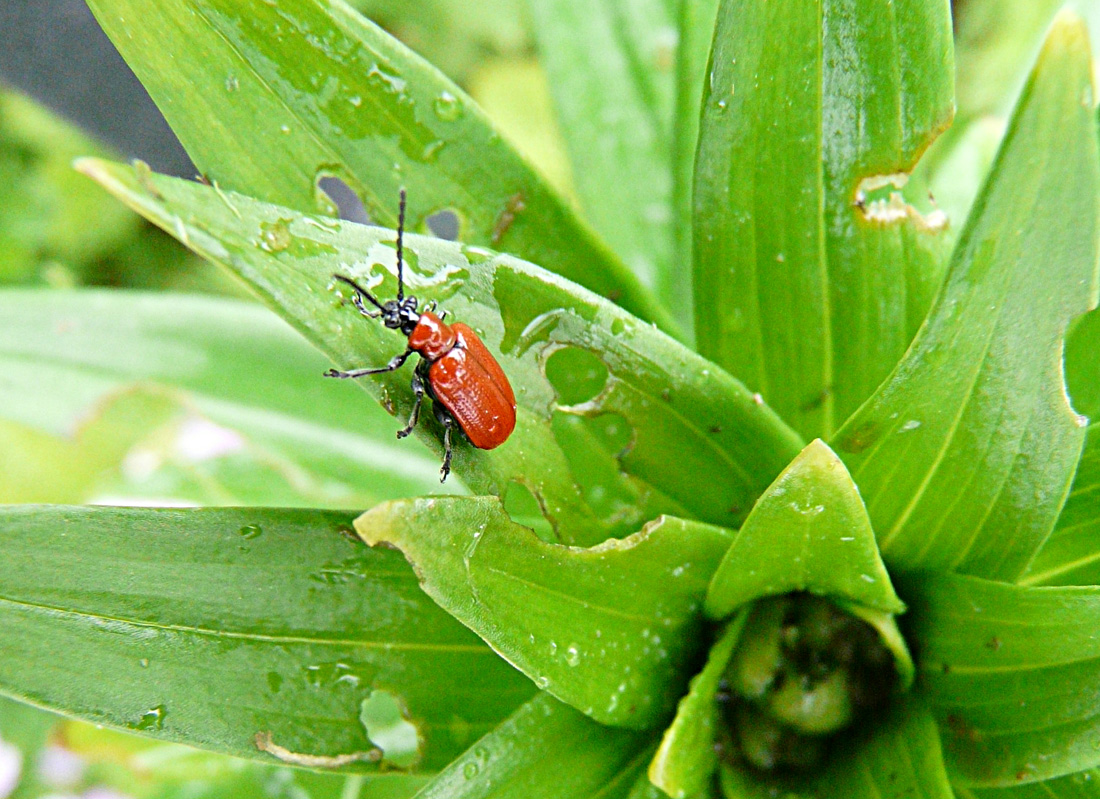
x=360 y=291
x=400 y=236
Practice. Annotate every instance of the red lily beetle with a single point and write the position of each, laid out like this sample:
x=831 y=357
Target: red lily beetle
x=466 y=384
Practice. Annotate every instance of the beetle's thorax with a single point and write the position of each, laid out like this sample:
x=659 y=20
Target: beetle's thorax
x=432 y=337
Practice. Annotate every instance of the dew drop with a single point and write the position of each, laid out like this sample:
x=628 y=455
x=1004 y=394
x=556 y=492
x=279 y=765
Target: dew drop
x=432 y=149
x=151 y=719
x=572 y=655
x=250 y=531
x=447 y=107
x=232 y=84
x=275 y=236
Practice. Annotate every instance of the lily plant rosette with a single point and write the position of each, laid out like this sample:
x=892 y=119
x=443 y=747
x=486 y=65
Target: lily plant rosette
x=803 y=493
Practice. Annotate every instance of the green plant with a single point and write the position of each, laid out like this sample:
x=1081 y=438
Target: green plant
x=686 y=531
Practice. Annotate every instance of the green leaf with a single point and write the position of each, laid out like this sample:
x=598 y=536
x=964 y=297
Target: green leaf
x=1082 y=785
x=808 y=532
x=617 y=626
x=106 y=393
x=1083 y=366
x=642 y=399
x=610 y=69
x=994 y=43
x=696 y=30
x=236 y=629
x=900 y=758
x=965 y=454
x=686 y=760
x=1009 y=672
x=811 y=113
x=1071 y=555
x=269 y=99
x=546 y=749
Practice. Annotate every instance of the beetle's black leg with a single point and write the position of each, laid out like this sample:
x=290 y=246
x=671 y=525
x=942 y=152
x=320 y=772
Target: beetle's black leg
x=418 y=390
x=358 y=293
x=396 y=362
x=448 y=423
x=357 y=301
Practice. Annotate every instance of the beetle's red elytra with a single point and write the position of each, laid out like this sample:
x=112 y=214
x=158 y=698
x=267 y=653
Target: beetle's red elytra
x=467 y=387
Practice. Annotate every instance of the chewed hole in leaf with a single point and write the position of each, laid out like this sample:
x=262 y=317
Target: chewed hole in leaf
x=1081 y=368
x=445 y=224
x=349 y=206
x=880 y=199
x=594 y=446
x=388 y=729
x=577 y=375
x=523 y=508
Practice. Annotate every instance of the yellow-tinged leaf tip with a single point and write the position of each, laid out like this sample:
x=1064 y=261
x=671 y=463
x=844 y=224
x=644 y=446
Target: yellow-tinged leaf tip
x=90 y=166
x=1068 y=30
x=371 y=525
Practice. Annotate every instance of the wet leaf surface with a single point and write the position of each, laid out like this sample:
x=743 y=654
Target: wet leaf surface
x=237 y=628
x=965 y=454
x=613 y=630
x=812 y=268
x=546 y=749
x=808 y=532
x=1009 y=672
x=675 y=407
x=294 y=92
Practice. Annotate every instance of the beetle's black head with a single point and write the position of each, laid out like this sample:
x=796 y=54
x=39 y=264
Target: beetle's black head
x=401 y=314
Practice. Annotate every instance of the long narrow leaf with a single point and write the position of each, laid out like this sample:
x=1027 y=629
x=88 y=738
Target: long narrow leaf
x=610 y=65
x=270 y=98
x=155 y=397
x=595 y=433
x=695 y=23
x=1071 y=556
x=901 y=759
x=255 y=632
x=964 y=456
x=546 y=750
x=812 y=271
x=618 y=626
x=1009 y=672
x=1082 y=785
